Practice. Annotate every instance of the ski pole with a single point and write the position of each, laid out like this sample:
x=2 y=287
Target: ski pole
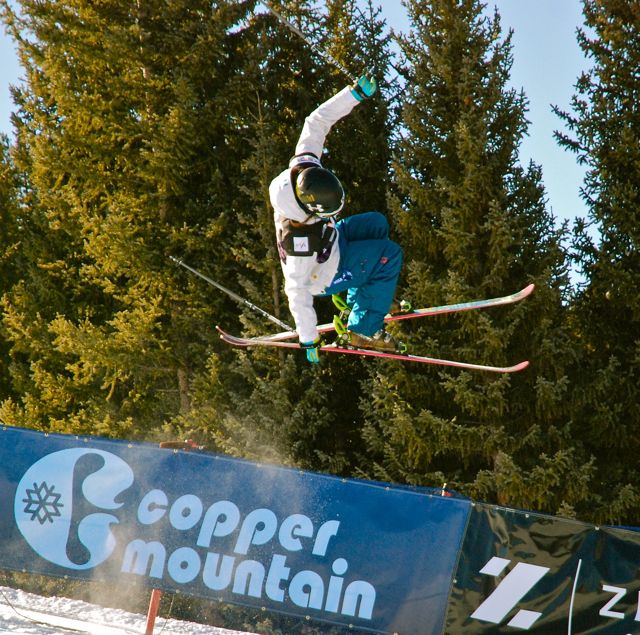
x=233 y=295
x=324 y=54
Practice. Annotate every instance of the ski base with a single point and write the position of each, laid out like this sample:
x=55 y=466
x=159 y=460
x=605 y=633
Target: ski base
x=247 y=342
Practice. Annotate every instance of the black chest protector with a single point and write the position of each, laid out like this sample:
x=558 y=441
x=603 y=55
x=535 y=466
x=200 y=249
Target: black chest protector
x=306 y=240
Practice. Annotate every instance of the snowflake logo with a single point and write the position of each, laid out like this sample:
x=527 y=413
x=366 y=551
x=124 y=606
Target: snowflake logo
x=42 y=503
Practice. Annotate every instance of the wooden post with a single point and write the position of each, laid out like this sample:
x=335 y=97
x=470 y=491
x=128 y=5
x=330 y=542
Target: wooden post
x=152 y=613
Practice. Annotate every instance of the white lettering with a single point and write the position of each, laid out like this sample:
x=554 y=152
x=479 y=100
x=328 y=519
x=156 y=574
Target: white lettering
x=139 y=554
x=248 y=578
x=217 y=571
x=186 y=512
x=152 y=507
x=292 y=527
x=220 y=520
x=359 y=591
x=307 y=589
x=619 y=593
x=278 y=573
x=327 y=531
x=258 y=528
x=334 y=592
x=184 y=565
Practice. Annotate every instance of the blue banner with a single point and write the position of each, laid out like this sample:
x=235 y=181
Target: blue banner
x=350 y=552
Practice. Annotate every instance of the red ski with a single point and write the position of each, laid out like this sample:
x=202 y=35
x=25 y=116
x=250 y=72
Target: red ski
x=246 y=342
x=280 y=339
x=436 y=310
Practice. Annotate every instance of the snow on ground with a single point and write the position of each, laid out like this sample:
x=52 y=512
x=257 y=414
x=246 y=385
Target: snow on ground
x=27 y=614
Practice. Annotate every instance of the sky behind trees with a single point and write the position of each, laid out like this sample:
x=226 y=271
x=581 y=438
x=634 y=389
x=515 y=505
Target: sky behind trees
x=547 y=63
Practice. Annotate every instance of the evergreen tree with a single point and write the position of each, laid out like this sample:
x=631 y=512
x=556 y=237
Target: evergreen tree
x=9 y=245
x=128 y=152
x=359 y=148
x=605 y=134
x=473 y=224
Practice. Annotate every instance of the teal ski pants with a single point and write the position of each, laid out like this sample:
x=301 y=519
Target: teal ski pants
x=369 y=267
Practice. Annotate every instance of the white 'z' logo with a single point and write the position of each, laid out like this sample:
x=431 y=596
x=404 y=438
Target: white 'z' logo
x=515 y=585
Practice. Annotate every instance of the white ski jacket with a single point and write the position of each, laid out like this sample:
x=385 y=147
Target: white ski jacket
x=304 y=276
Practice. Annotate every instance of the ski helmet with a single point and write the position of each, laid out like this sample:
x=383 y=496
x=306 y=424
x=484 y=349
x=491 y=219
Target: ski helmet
x=319 y=191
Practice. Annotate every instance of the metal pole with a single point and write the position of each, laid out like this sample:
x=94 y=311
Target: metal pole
x=324 y=54
x=235 y=296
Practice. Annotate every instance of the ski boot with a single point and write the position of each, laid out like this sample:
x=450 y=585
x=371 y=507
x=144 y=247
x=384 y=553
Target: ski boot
x=397 y=307
x=380 y=341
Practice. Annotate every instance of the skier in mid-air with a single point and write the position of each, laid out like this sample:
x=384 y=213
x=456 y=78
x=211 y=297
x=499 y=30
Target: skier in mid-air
x=322 y=257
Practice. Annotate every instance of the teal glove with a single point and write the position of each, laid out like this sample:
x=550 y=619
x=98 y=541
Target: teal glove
x=364 y=88
x=311 y=349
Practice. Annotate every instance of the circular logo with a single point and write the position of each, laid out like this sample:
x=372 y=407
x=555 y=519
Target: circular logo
x=47 y=494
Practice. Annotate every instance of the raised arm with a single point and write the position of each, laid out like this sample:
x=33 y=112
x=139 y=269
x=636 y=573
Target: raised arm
x=318 y=124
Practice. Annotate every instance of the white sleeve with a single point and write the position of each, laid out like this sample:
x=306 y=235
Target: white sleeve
x=297 y=276
x=318 y=124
